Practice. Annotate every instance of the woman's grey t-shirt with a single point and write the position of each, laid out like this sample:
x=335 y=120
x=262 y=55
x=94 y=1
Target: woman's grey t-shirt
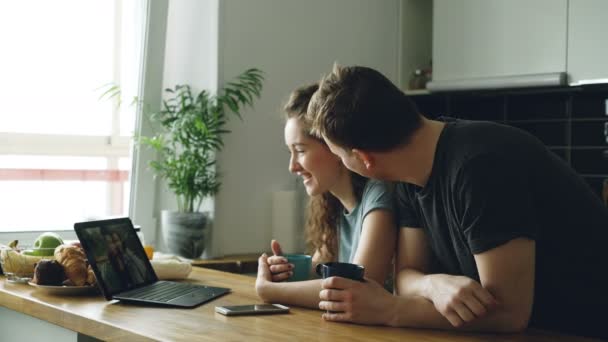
x=376 y=195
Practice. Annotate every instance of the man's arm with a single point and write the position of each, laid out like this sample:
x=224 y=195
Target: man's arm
x=458 y=298
x=507 y=271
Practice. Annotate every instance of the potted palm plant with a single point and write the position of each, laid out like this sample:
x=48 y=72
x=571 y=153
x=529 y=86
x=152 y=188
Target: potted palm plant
x=191 y=131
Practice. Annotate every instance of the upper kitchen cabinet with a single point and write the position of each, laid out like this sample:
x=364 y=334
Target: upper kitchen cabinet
x=416 y=27
x=587 y=41
x=512 y=42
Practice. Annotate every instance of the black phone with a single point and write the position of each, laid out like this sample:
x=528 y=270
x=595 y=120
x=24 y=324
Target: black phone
x=255 y=309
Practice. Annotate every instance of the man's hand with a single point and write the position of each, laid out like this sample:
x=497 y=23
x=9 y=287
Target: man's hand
x=459 y=299
x=280 y=268
x=358 y=302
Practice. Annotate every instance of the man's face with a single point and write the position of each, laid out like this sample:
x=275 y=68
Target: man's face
x=350 y=159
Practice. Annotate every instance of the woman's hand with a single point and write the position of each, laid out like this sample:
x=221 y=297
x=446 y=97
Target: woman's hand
x=459 y=299
x=280 y=268
x=263 y=282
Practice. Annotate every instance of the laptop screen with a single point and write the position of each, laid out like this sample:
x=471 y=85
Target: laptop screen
x=115 y=254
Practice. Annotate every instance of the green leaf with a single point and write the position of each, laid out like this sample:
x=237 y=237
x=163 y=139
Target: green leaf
x=112 y=91
x=192 y=127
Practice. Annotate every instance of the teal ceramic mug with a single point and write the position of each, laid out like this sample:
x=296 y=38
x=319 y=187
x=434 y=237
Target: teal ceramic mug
x=302 y=265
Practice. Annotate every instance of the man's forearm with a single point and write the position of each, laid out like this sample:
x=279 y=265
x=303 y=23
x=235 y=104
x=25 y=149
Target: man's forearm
x=419 y=312
x=411 y=282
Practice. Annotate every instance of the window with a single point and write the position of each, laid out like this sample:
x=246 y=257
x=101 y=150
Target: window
x=65 y=150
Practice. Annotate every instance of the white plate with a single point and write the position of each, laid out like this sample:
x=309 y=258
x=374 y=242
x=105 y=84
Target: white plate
x=66 y=290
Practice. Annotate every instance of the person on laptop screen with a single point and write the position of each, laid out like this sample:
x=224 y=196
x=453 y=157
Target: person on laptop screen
x=122 y=257
x=119 y=264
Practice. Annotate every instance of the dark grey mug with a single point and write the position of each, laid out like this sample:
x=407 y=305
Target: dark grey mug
x=341 y=269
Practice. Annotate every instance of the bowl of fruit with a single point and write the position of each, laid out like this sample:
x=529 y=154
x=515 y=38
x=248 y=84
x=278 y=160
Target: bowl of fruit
x=19 y=261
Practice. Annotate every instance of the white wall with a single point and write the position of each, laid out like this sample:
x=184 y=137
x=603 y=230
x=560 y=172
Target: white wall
x=190 y=57
x=144 y=195
x=191 y=49
x=294 y=42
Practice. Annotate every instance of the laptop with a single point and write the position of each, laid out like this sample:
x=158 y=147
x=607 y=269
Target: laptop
x=123 y=271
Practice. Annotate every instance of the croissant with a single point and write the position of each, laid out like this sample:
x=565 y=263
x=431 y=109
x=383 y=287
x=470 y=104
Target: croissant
x=91 y=280
x=74 y=263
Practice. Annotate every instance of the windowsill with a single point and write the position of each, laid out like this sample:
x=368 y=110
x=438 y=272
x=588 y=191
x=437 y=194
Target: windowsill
x=29 y=237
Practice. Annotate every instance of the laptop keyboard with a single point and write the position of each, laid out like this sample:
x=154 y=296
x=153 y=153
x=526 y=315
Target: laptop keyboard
x=162 y=291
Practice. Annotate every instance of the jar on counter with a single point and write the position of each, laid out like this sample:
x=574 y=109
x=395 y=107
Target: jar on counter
x=417 y=80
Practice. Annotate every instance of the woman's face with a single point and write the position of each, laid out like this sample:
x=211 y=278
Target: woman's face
x=311 y=159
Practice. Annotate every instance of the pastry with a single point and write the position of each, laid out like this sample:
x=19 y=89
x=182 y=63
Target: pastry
x=74 y=263
x=91 y=280
x=48 y=272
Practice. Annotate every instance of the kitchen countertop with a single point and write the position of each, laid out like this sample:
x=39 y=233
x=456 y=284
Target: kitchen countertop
x=112 y=321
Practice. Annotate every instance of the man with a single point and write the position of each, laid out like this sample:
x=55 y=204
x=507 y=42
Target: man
x=498 y=233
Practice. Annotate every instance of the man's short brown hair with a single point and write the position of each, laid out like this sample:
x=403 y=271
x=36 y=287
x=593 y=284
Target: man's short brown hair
x=358 y=107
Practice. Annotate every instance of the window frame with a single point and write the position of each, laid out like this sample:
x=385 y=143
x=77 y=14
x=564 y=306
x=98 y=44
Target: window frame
x=113 y=146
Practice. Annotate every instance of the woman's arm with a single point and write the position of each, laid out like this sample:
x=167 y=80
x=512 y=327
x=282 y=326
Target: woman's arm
x=377 y=244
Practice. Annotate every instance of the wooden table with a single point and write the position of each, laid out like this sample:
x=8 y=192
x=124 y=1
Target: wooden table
x=113 y=321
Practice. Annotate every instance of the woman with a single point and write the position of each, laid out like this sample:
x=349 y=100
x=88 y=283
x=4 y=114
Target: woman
x=350 y=218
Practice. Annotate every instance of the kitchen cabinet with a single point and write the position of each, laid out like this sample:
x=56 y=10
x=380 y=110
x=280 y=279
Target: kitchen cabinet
x=498 y=38
x=587 y=41
x=571 y=121
x=504 y=41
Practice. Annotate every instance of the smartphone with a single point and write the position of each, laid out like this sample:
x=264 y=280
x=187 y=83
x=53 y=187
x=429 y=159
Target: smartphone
x=255 y=309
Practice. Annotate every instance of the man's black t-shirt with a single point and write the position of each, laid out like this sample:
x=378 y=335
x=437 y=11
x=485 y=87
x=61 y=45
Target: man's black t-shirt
x=492 y=183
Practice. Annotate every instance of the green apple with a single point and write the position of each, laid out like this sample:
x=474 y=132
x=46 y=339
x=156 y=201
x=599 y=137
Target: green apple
x=45 y=244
